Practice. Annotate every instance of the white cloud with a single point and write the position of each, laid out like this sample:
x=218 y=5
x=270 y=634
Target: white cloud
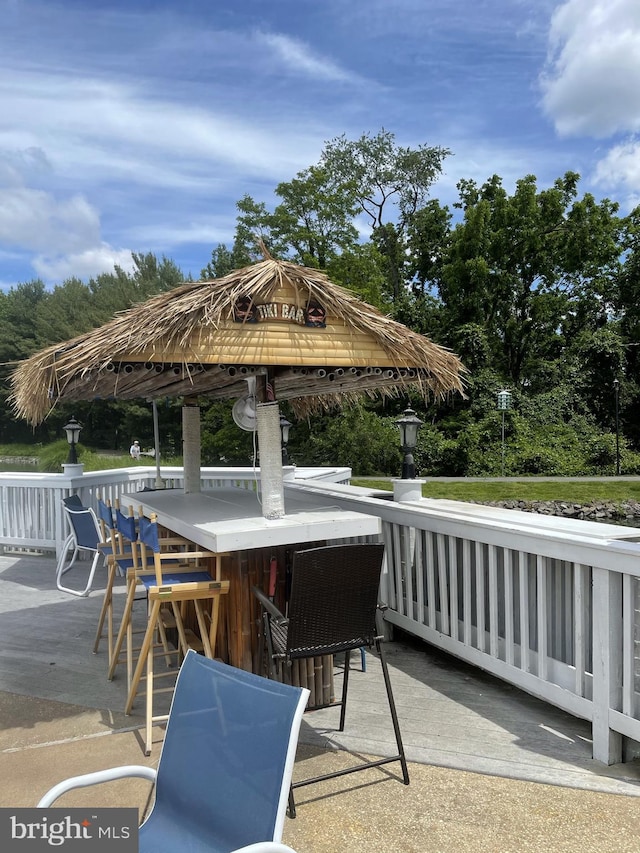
x=479 y=160
x=303 y=59
x=121 y=128
x=37 y=221
x=88 y=129
x=17 y=162
x=90 y=262
x=207 y=230
x=592 y=83
x=111 y=142
x=620 y=167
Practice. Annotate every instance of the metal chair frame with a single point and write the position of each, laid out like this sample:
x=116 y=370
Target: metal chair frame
x=85 y=537
x=332 y=608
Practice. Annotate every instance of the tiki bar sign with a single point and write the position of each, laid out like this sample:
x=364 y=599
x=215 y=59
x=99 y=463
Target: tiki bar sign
x=247 y=311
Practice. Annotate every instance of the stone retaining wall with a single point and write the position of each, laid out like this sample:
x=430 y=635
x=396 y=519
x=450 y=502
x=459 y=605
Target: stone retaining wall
x=625 y=511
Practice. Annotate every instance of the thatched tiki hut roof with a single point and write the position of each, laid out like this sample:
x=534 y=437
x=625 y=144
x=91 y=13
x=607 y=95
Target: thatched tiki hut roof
x=317 y=344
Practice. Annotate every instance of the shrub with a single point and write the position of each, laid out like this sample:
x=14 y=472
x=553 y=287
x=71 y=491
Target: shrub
x=54 y=455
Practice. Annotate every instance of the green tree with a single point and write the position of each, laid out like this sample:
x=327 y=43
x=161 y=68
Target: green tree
x=429 y=233
x=316 y=220
x=355 y=437
x=67 y=311
x=18 y=340
x=224 y=260
x=383 y=175
x=627 y=310
x=224 y=443
x=18 y=335
x=315 y=216
x=527 y=266
x=312 y=224
x=254 y=225
x=119 y=290
x=361 y=270
x=389 y=183
x=594 y=361
x=35 y=318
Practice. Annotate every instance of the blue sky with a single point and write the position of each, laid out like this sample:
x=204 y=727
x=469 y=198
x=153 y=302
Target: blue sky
x=137 y=125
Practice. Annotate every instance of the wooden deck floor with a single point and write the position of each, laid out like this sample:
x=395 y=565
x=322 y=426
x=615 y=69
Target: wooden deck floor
x=451 y=715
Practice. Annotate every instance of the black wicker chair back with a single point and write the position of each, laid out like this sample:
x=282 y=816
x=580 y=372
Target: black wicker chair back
x=334 y=596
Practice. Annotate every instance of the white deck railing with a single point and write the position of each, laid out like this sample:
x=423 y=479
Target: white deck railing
x=547 y=604
x=31 y=514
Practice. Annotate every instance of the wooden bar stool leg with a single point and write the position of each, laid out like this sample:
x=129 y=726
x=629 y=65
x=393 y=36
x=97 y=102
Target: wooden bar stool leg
x=215 y=607
x=124 y=624
x=202 y=627
x=129 y=650
x=213 y=627
x=183 y=644
x=145 y=650
x=106 y=612
x=149 y=700
x=129 y=645
x=162 y=633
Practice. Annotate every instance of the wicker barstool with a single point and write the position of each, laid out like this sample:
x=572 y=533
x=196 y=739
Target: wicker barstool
x=332 y=608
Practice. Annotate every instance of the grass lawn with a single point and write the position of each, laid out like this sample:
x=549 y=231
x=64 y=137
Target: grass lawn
x=529 y=489
x=574 y=491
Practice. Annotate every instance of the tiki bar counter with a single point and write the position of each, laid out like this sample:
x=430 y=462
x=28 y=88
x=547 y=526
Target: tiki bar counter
x=259 y=553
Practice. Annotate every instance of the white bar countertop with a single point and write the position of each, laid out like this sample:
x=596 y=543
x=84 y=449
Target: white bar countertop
x=230 y=519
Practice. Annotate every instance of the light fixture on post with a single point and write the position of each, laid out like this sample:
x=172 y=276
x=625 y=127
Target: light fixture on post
x=72 y=429
x=616 y=387
x=409 y=425
x=504 y=403
x=285 y=426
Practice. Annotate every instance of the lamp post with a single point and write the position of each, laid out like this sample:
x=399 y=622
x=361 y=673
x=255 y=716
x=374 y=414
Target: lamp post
x=504 y=403
x=616 y=388
x=409 y=425
x=72 y=430
x=285 y=426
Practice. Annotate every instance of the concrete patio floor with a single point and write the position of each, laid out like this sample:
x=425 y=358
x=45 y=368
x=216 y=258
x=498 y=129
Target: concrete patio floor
x=492 y=769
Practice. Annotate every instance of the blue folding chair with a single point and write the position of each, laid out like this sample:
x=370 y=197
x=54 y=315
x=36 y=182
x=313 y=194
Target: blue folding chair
x=85 y=536
x=225 y=769
x=121 y=531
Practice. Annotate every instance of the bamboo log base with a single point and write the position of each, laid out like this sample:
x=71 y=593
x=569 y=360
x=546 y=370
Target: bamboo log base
x=316 y=674
x=241 y=640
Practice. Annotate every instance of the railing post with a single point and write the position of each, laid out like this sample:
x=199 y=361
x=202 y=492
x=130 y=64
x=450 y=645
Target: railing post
x=607 y=663
x=59 y=523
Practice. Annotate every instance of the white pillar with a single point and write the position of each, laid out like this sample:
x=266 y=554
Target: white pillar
x=73 y=469
x=407 y=490
x=268 y=418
